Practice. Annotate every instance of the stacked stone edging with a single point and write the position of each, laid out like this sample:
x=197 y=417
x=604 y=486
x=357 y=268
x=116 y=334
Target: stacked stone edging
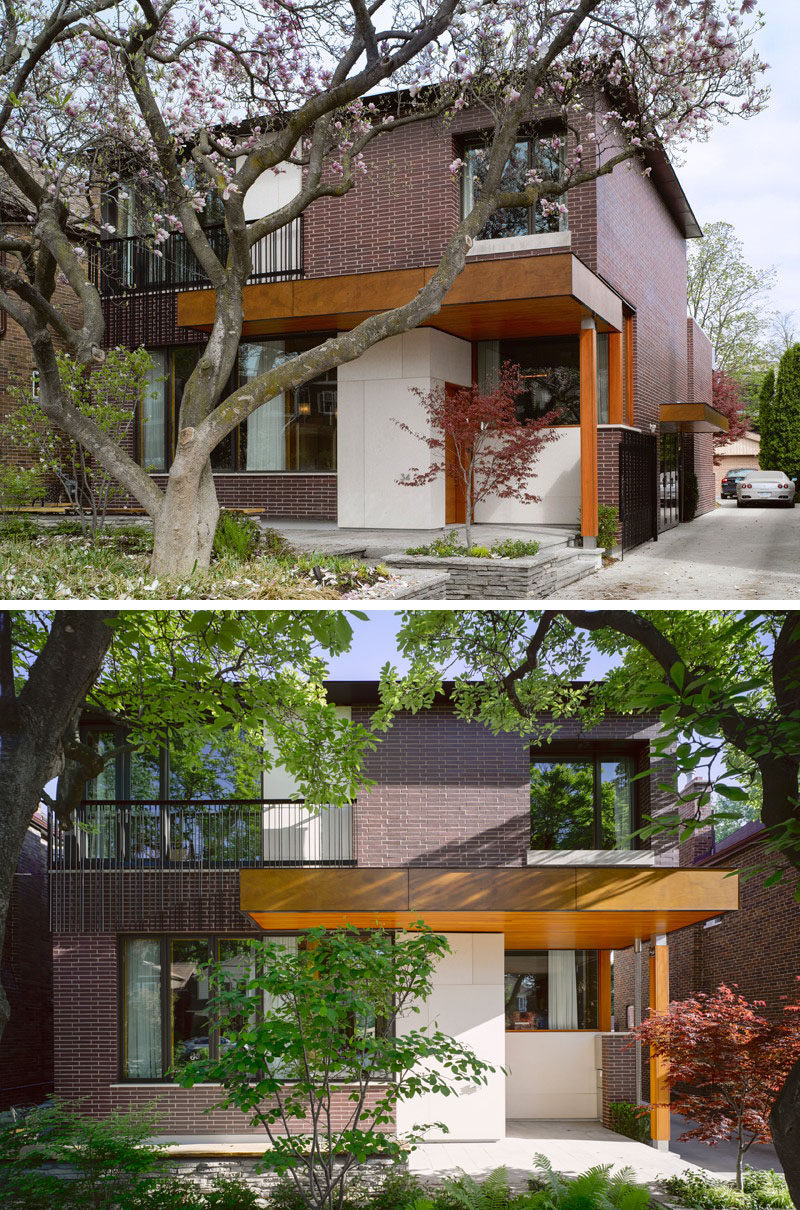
x=540 y=576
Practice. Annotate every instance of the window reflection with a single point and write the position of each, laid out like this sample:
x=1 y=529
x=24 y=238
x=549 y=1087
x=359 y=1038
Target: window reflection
x=551 y=989
x=542 y=154
x=189 y=992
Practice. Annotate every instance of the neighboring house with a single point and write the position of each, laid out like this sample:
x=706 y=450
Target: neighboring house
x=756 y=948
x=591 y=305
x=519 y=856
x=26 y=1049
x=743 y=452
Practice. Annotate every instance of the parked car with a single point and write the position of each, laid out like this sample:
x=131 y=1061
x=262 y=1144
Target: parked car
x=765 y=487
x=731 y=478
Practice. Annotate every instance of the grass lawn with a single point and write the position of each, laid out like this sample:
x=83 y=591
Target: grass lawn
x=58 y=563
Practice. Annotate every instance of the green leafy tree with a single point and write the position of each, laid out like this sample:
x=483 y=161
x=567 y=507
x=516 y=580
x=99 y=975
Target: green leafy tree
x=724 y=682
x=766 y=399
x=780 y=424
x=728 y=298
x=213 y=678
x=109 y=396
x=335 y=1013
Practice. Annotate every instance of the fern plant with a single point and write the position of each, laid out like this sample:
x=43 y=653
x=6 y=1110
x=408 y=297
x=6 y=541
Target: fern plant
x=466 y=1193
x=595 y=1189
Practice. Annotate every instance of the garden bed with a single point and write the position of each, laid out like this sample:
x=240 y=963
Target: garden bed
x=540 y=576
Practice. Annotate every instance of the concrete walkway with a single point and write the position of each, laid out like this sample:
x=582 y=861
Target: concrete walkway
x=571 y=1147
x=325 y=537
x=750 y=554
x=721 y=1160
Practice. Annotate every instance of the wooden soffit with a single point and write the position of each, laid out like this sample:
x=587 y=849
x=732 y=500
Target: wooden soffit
x=509 y=296
x=562 y=908
x=692 y=418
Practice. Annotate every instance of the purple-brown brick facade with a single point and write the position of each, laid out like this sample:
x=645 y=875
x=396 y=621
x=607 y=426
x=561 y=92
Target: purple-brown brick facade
x=332 y=452
x=26 y=1053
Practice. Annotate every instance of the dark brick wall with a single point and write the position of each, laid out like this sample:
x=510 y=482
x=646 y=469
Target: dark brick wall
x=700 y=359
x=26 y=1049
x=279 y=495
x=619 y=1071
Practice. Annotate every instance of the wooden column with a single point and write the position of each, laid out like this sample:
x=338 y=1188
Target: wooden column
x=627 y=327
x=659 y=1002
x=604 y=991
x=588 y=387
x=615 y=378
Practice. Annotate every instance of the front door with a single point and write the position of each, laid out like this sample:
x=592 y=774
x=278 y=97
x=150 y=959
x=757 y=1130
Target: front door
x=669 y=494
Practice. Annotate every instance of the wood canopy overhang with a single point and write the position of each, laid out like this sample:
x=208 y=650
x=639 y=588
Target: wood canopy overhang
x=563 y=908
x=692 y=418
x=503 y=297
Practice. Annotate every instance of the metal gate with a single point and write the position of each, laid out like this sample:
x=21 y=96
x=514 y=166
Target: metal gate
x=638 y=488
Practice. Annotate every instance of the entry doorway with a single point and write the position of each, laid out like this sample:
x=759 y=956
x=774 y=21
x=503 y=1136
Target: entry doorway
x=669 y=480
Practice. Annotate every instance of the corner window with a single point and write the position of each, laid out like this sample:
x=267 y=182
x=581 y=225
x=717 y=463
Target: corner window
x=550 y=370
x=551 y=989
x=543 y=153
x=582 y=802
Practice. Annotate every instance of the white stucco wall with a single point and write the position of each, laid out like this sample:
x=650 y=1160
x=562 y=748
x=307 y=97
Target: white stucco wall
x=551 y=1075
x=467 y=1003
x=372 y=451
x=557 y=481
x=272 y=189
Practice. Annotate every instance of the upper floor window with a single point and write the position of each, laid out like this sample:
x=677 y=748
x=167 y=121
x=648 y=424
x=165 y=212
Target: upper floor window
x=542 y=154
x=582 y=802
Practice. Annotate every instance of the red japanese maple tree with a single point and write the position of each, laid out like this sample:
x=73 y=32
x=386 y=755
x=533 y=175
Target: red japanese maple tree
x=726 y=1064
x=727 y=397
x=477 y=439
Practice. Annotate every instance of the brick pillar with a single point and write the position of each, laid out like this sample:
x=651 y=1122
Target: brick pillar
x=619 y=1071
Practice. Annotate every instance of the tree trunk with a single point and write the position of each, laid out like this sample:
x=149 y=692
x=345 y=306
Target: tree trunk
x=33 y=726
x=784 y=1122
x=739 y=1158
x=183 y=530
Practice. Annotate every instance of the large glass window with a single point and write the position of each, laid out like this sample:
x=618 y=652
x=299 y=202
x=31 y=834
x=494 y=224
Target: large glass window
x=528 y=155
x=582 y=802
x=550 y=369
x=163 y=980
x=294 y=431
x=551 y=989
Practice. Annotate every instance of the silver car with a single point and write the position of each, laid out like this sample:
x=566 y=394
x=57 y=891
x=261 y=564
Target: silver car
x=765 y=487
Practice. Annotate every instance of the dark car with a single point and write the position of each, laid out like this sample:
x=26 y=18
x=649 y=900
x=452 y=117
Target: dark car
x=728 y=489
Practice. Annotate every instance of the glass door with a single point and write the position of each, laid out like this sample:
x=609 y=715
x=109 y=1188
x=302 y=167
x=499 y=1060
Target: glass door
x=668 y=480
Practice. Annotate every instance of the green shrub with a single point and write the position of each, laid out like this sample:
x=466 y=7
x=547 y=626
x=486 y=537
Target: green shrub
x=237 y=535
x=515 y=548
x=594 y=1188
x=691 y=496
x=478 y=552
x=20 y=486
x=230 y=1193
x=18 y=527
x=465 y=1193
x=399 y=1191
x=172 y=1193
x=442 y=547
x=631 y=1120
x=607 y=525
x=112 y=1161
x=761 y=1189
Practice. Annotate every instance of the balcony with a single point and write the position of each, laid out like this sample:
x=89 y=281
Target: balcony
x=135 y=863
x=121 y=267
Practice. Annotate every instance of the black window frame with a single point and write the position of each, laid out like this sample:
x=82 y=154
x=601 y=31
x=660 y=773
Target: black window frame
x=477 y=141
x=165 y=949
x=236 y=436
x=597 y=753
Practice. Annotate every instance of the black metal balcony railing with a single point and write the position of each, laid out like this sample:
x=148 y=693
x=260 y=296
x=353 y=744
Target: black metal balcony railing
x=120 y=267
x=124 y=861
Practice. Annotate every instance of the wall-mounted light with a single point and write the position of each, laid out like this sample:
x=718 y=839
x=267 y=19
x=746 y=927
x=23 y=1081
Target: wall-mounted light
x=304 y=407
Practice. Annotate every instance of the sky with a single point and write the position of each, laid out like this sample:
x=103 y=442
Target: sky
x=374 y=644
x=748 y=173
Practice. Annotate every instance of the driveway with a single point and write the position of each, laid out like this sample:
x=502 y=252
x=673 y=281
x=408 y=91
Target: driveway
x=732 y=553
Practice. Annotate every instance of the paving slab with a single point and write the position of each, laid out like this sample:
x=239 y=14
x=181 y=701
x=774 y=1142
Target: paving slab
x=325 y=537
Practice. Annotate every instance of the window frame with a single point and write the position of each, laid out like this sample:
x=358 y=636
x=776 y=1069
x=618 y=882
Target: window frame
x=581 y=1029
x=236 y=435
x=165 y=941
x=597 y=753
x=480 y=140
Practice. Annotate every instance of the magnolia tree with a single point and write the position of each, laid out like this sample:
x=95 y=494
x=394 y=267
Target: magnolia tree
x=476 y=439
x=197 y=102
x=725 y=1065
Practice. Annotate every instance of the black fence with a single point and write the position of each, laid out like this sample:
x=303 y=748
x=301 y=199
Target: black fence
x=638 y=488
x=124 y=266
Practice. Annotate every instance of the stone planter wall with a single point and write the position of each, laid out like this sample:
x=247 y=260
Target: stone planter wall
x=535 y=576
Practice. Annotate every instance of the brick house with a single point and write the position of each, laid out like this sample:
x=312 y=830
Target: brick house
x=757 y=948
x=519 y=855
x=26 y=1052
x=592 y=306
